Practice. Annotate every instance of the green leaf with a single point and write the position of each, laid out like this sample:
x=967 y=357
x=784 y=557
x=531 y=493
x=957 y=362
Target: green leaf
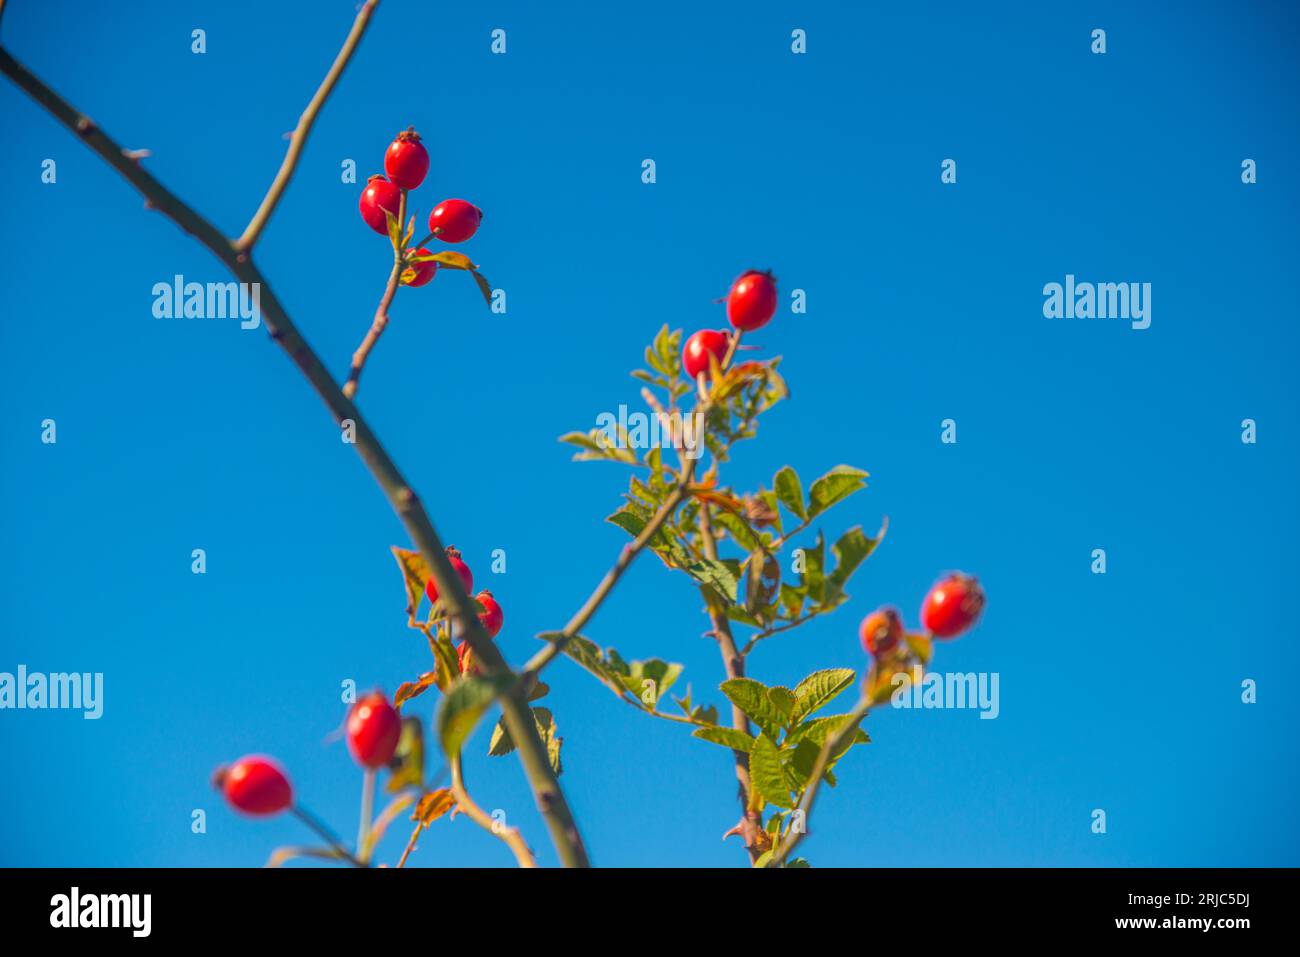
x=416 y=574
x=462 y=708
x=629 y=521
x=745 y=536
x=727 y=737
x=921 y=645
x=407 y=766
x=789 y=491
x=850 y=551
x=697 y=713
x=484 y=286
x=782 y=699
x=798 y=863
x=750 y=696
x=394 y=229
x=762 y=582
x=448 y=258
x=819 y=688
x=547 y=732
x=722 y=576
x=814 y=570
x=649 y=680
x=767 y=774
x=818 y=730
x=835 y=486
x=502 y=744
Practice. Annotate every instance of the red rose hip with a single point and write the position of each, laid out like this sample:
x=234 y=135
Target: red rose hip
x=706 y=342
x=491 y=617
x=466 y=576
x=419 y=273
x=952 y=605
x=380 y=195
x=254 y=784
x=881 y=631
x=407 y=161
x=373 y=729
x=456 y=219
x=752 y=300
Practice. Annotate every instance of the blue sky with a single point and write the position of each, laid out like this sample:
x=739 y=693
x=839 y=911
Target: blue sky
x=1119 y=692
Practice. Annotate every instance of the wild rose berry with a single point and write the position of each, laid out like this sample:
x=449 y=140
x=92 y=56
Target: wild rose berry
x=706 y=342
x=373 y=728
x=407 y=161
x=421 y=273
x=952 y=606
x=752 y=300
x=491 y=617
x=254 y=784
x=456 y=219
x=380 y=195
x=466 y=576
x=881 y=631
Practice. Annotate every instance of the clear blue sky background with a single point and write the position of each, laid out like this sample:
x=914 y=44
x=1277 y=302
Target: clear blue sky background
x=1119 y=692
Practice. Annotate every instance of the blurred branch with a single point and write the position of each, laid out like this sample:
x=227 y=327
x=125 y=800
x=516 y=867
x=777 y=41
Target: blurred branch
x=514 y=705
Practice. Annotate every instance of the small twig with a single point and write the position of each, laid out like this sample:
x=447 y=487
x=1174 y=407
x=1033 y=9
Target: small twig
x=313 y=822
x=510 y=835
x=410 y=845
x=769 y=632
x=377 y=327
x=301 y=132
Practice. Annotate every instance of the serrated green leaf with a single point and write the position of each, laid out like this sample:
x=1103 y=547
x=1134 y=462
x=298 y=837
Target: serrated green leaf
x=789 y=491
x=727 y=737
x=819 y=688
x=782 y=699
x=819 y=729
x=723 y=576
x=750 y=696
x=835 y=486
x=740 y=530
x=767 y=774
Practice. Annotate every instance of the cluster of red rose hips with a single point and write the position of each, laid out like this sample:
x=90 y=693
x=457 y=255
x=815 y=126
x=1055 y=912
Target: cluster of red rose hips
x=491 y=617
x=950 y=608
x=407 y=162
x=751 y=303
x=258 y=785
